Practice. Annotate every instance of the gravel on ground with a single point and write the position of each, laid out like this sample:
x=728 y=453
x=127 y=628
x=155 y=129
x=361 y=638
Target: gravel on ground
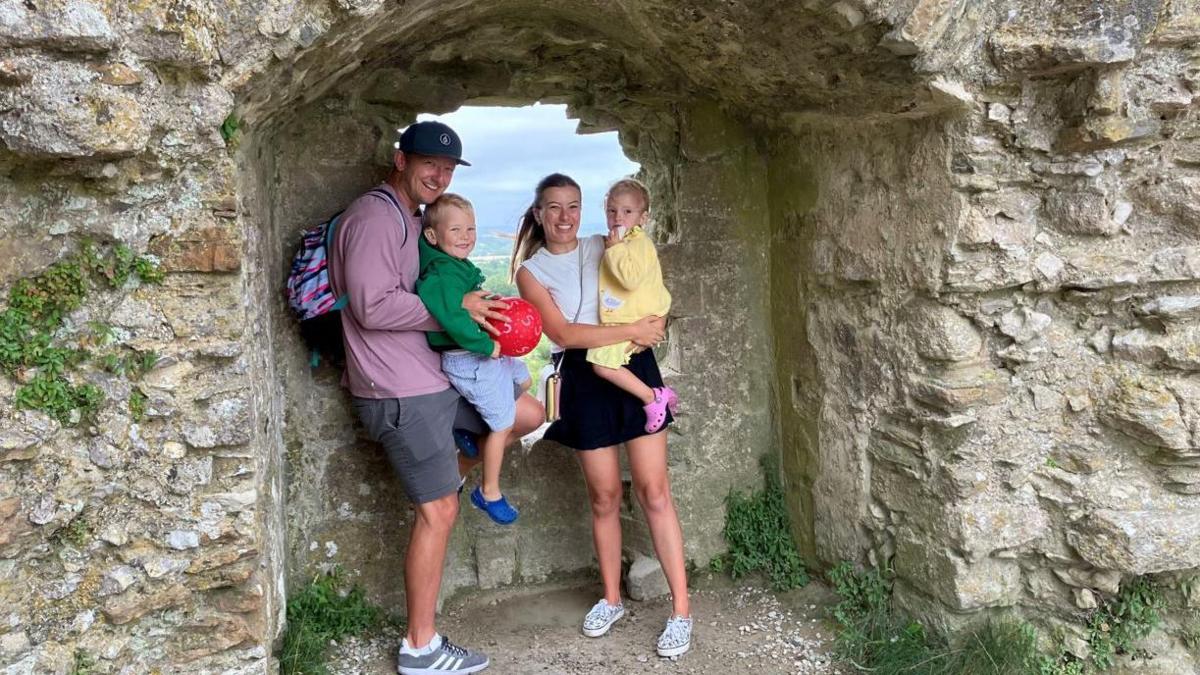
x=740 y=628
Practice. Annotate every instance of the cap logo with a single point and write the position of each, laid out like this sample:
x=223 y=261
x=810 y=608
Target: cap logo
x=445 y=139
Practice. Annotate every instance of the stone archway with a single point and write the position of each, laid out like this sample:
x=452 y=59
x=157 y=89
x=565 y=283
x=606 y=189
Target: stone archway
x=709 y=147
x=905 y=230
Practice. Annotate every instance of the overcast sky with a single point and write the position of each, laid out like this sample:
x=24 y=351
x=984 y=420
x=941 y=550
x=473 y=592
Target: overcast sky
x=511 y=149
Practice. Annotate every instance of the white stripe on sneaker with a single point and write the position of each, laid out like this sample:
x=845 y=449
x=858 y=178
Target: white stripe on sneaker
x=457 y=664
x=437 y=665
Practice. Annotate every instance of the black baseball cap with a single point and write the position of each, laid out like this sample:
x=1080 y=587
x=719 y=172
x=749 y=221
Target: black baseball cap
x=432 y=139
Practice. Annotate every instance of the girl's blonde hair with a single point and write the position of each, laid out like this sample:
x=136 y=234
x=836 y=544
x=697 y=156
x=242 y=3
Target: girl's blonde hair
x=629 y=185
x=436 y=210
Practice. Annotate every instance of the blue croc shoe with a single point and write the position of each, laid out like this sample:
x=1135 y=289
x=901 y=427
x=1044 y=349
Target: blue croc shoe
x=499 y=511
x=466 y=443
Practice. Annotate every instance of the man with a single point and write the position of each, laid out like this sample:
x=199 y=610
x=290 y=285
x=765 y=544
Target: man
x=400 y=393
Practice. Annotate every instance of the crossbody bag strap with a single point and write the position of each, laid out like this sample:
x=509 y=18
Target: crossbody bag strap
x=578 y=310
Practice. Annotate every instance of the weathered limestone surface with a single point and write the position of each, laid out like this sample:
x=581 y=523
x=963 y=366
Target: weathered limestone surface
x=941 y=256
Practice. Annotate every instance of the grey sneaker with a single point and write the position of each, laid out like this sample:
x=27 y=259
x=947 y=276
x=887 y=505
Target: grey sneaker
x=601 y=617
x=676 y=638
x=447 y=659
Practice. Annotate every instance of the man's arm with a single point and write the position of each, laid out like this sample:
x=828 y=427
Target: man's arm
x=370 y=255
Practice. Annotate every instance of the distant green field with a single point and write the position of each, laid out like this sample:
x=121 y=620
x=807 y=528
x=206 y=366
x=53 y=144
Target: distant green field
x=495 y=274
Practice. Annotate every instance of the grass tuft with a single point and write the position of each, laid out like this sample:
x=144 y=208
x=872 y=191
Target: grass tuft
x=319 y=613
x=759 y=536
x=877 y=640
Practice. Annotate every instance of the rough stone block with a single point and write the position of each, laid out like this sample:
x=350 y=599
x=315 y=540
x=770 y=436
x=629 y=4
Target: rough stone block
x=1176 y=348
x=922 y=28
x=982 y=271
x=645 y=579
x=986 y=526
x=708 y=133
x=939 y=333
x=1179 y=24
x=1173 y=308
x=119 y=75
x=1175 y=197
x=248 y=598
x=13 y=644
x=224 y=422
x=1023 y=324
x=12 y=526
x=117 y=579
x=1046 y=37
x=958 y=389
x=1084 y=213
x=495 y=558
x=1139 y=542
x=953 y=580
x=17 y=444
x=213 y=558
x=64 y=112
x=1148 y=411
x=209 y=634
x=74 y=25
x=51 y=658
x=131 y=605
x=211 y=249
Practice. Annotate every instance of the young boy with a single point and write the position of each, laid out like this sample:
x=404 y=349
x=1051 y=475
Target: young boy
x=470 y=357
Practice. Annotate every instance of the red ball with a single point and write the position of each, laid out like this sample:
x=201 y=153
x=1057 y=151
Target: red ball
x=519 y=336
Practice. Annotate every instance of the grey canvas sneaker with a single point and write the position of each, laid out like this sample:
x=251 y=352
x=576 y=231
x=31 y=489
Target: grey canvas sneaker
x=601 y=617
x=676 y=638
x=447 y=659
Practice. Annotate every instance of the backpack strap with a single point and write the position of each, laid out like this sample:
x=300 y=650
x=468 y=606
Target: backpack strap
x=399 y=211
x=331 y=228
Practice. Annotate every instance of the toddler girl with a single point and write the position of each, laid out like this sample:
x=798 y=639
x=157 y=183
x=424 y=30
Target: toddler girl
x=631 y=287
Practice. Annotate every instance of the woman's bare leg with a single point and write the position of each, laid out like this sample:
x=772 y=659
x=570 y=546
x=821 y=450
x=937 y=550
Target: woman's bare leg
x=602 y=472
x=652 y=485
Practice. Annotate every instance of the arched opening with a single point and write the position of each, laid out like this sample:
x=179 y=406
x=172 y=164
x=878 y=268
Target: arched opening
x=736 y=190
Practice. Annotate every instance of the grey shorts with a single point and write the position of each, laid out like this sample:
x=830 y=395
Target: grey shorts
x=417 y=434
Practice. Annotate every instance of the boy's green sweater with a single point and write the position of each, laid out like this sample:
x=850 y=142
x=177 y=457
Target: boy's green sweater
x=443 y=282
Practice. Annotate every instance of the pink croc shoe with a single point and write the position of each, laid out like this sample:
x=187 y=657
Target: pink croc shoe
x=656 y=410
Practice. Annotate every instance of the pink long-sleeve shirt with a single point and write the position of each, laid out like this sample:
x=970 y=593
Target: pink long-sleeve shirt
x=384 y=324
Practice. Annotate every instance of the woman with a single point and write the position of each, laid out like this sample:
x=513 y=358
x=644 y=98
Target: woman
x=558 y=272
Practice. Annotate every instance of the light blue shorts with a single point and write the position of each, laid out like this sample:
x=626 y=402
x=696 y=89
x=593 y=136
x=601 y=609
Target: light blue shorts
x=488 y=384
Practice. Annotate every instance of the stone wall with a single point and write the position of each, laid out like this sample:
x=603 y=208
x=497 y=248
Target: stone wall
x=940 y=256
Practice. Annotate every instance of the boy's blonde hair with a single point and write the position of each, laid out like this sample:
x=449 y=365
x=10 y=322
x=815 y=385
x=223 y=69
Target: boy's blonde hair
x=629 y=185
x=436 y=210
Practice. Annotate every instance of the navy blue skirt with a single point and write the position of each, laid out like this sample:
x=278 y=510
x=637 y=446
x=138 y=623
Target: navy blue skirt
x=596 y=413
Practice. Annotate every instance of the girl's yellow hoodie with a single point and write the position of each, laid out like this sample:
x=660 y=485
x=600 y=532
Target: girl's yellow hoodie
x=631 y=283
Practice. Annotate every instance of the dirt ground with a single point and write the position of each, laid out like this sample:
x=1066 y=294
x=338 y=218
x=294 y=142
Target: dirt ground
x=535 y=629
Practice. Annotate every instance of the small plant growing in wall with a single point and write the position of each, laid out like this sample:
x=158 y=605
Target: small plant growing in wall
x=325 y=610
x=35 y=353
x=229 y=130
x=1123 y=620
x=83 y=664
x=759 y=535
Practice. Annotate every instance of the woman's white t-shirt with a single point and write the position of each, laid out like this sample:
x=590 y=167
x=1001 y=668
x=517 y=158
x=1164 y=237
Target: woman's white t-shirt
x=560 y=274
